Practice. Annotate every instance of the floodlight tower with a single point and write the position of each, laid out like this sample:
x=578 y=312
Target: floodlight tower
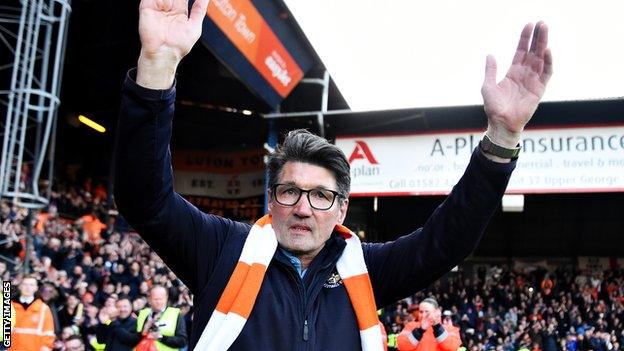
x=35 y=32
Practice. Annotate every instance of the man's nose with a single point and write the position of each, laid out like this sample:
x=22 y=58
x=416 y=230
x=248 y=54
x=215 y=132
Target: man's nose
x=303 y=207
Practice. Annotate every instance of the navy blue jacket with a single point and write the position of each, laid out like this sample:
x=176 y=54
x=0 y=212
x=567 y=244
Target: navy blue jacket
x=203 y=249
x=118 y=335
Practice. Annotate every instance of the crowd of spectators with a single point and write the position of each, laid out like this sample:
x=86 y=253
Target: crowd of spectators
x=498 y=308
x=84 y=263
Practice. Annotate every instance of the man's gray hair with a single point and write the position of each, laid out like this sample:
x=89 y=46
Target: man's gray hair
x=302 y=146
x=432 y=301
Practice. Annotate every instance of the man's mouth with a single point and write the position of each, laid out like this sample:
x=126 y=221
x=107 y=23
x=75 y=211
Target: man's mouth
x=300 y=228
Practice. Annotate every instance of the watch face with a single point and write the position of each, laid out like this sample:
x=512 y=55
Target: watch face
x=486 y=144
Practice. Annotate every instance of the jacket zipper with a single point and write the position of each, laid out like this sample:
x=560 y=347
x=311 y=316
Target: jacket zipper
x=302 y=295
x=305 y=321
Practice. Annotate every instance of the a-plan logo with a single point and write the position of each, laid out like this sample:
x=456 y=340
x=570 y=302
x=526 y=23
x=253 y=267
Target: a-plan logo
x=361 y=151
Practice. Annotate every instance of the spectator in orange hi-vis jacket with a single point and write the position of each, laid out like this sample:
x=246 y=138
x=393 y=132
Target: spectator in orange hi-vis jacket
x=429 y=333
x=34 y=326
x=92 y=226
x=547 y=285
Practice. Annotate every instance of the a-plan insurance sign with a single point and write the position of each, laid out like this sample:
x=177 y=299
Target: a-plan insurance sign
x=562 y=160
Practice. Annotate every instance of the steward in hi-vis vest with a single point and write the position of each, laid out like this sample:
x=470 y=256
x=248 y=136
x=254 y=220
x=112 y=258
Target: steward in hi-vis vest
x=34 y=327
x=165 y=325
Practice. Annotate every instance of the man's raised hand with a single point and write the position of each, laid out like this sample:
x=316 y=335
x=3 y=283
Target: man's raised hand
x=510 y=104
x=167 y=32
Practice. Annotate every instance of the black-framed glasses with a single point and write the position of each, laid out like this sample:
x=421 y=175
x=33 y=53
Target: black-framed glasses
x=318 y=198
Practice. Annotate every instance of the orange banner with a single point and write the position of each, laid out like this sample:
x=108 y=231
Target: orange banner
x=241 y=22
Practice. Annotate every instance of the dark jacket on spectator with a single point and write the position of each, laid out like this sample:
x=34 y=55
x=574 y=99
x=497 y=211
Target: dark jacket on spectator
x=549 y=341
x=65 y=317
x=119 y=335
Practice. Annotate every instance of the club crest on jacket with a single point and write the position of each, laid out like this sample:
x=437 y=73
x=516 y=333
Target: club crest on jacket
x=333 y=281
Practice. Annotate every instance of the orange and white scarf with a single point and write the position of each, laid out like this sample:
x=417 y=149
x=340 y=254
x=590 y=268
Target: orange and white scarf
x=239 y=296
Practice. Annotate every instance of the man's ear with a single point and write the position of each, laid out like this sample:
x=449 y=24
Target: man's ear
x=269 y=202
x=344 y=205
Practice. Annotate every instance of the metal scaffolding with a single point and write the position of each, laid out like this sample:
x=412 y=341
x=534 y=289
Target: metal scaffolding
x=36 y=35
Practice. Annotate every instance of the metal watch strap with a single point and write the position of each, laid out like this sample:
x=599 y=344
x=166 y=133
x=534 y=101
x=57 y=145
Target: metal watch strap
x=489 y=147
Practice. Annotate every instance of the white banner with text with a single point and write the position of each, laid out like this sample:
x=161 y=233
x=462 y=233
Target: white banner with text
x=562 y=160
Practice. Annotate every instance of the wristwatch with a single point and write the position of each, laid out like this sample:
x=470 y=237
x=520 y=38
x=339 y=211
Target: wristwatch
x=489 y=147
